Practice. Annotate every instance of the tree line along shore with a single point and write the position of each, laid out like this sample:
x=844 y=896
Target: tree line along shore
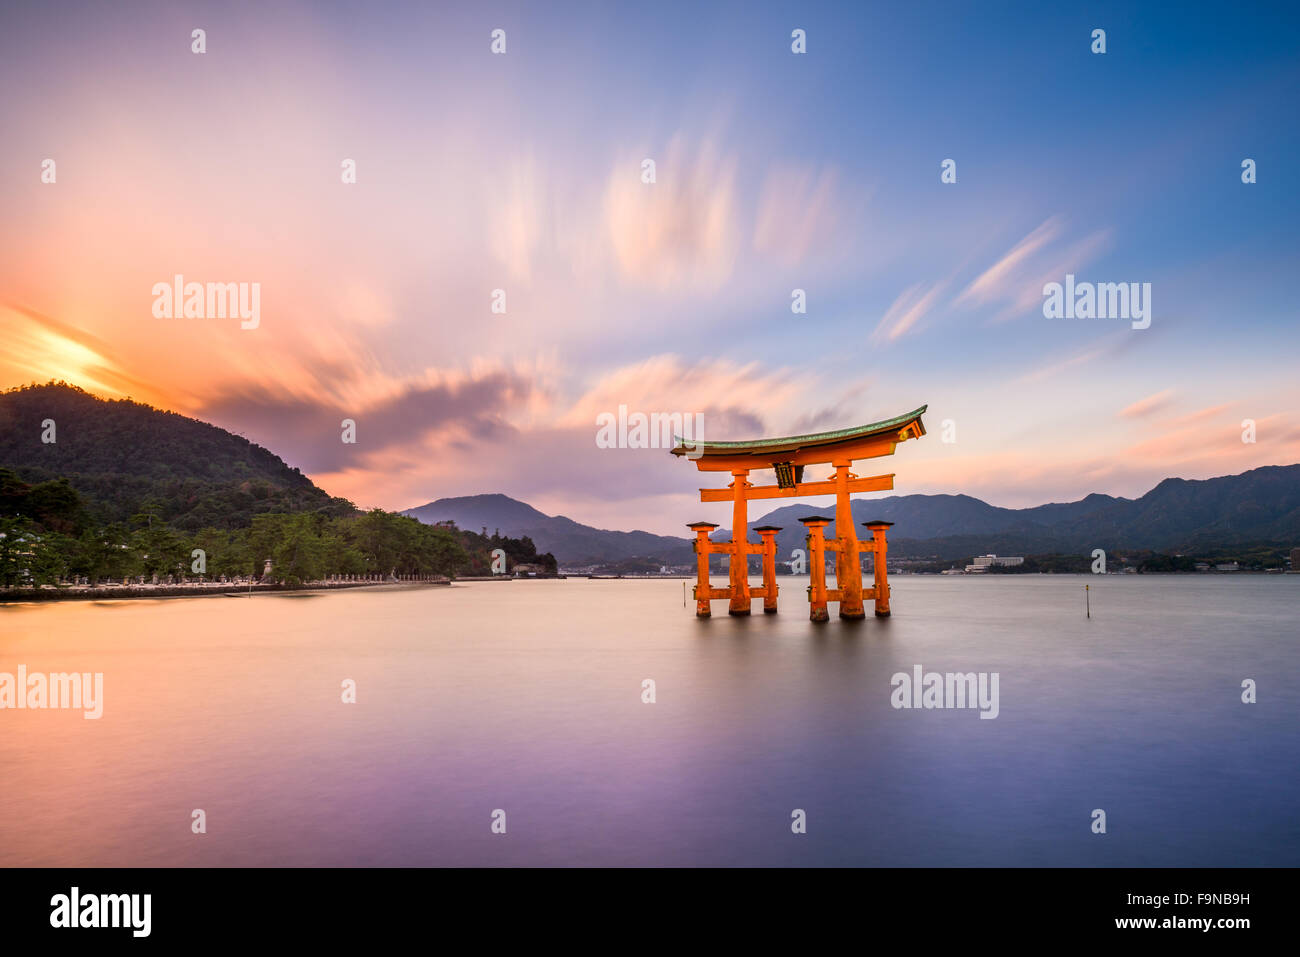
x=49 y=535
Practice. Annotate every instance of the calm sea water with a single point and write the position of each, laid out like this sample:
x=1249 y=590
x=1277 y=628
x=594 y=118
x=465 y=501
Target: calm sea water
x=526 y=696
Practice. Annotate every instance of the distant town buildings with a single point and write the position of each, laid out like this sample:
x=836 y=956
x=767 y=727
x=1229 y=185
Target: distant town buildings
x=1295 y=560
x=983 y=563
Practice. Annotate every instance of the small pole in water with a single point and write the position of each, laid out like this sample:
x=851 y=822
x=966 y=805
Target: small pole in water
x=683 y=592
x=1087 y=599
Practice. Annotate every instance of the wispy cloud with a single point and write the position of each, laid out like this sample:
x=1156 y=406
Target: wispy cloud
x=679 y=232
x=1054 y=368
x=912 y=305
x=800 y=213
x=995 y=282
x=1148 y=405
x=1200 y=415
x=1016 y=280
x=517 y=221
x=738 y=400
x=306 y=428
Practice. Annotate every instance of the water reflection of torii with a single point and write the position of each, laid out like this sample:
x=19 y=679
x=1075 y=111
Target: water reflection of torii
x=789 y=457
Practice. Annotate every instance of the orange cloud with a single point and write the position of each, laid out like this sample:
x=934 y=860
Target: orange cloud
x=731 y=395
x=39 y=348
x=680 y=231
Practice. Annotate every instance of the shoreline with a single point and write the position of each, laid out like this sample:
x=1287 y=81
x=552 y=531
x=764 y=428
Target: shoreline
x=193 y=590
x=234 y=590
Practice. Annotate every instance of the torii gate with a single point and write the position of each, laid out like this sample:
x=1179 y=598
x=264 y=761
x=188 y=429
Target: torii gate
x=789 y=457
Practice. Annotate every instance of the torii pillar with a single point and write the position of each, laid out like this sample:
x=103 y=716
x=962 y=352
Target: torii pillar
x=848 y=563
x=816 y=526
x=703 y=590
x=881 y=548
x=768 y=534
x=739 y=564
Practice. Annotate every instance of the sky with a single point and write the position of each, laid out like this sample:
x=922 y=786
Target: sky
x=774 y=171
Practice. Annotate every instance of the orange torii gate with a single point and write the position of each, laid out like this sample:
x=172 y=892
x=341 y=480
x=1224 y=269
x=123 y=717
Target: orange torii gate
x=789 y=457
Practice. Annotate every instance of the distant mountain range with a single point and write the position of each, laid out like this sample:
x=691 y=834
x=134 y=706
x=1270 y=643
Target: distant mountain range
x=1262 y=505
x=1259 y=506
x=570 y=542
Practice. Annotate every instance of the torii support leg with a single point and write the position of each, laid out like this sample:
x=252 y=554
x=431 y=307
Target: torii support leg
x=878 y=530
x=817 y=568
x=702 y=547
x=848 y=563
x=768 y=535
x=739 y=564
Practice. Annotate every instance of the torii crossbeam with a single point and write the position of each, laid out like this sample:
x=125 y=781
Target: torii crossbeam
x=789 y=457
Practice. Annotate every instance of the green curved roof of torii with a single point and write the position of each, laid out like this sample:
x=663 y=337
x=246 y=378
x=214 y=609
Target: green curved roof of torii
x=795 y=442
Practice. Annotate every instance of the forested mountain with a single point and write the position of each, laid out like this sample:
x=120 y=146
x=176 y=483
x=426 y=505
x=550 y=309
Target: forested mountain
x=120 y=454
x=98 y=489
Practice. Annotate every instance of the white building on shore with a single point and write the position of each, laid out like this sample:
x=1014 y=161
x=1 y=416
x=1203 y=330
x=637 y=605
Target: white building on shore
x=983 y=563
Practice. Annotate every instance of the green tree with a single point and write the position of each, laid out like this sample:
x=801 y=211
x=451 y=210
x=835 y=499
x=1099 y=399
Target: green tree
x=15 y=550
